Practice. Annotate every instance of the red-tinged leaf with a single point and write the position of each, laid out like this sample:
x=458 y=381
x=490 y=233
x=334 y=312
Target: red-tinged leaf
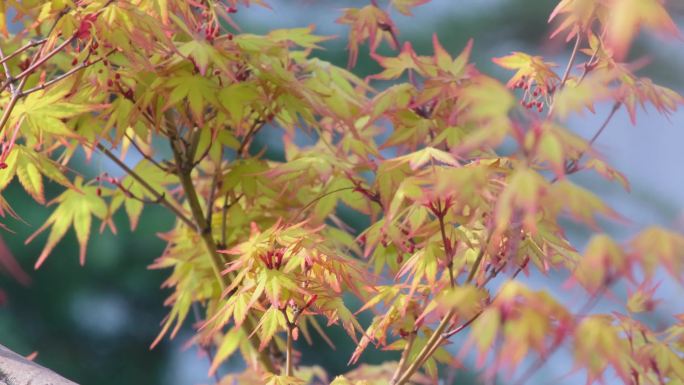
x=394 y=67
x=442 y=58
x=627 y=17
x=578 y=16
x=85 y=26
x=367 y=23
x=459 y=65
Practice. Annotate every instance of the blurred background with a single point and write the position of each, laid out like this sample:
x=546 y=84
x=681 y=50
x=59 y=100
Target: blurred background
x=94 y=324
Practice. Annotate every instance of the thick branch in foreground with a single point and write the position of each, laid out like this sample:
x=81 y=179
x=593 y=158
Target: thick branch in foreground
x=17 y=370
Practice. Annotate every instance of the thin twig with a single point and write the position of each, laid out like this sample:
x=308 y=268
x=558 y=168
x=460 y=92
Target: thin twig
x=568 y=69
x=63 y=76
x=45 y=58
x=448 y=249
x=244 y=145
x=404 y=357
x=571 y=62
x=437 y=338
x=157 y=195
x=28 y=45
x=205 y=232
x=571 y=167
x=8 y=73
x=146 y=155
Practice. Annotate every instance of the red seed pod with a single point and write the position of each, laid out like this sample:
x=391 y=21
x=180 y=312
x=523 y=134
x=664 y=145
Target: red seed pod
x=74 y=62
x=540 y=109
x=117 y=76
x=110 y=83
x=230 y=36
x=3 y=165
x=232 y=10
x=99 y=192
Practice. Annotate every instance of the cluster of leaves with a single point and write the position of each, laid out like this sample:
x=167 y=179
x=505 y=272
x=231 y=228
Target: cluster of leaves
x=448 y=213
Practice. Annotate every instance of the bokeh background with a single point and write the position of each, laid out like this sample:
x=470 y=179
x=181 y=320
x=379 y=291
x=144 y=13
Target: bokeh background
x=94 y=324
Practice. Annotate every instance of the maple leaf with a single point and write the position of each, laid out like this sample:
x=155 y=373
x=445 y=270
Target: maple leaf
x=655 y=246
x=627 y=17
x=579 y=16
x=197 y=91
x=46 y=112
x=405 y=6
x=368 y=23
x=30 y=167
x=523 y=192
x=530 y=70
x=75 y=208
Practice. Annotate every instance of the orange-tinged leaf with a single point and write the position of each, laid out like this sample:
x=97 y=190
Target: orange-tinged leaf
x=627 y=17
x=367 y=23
x=394 y=67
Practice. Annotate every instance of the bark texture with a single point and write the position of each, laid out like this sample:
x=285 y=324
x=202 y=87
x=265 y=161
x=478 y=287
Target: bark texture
x=17 y=370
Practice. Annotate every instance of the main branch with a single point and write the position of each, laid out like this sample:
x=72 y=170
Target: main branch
x=204 y=229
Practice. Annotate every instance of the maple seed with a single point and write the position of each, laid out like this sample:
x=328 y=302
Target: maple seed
x=74 y=62
x=232 y=10
x=3 y=165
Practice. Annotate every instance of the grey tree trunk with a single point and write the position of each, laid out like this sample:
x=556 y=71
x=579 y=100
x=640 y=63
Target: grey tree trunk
x=17 y=370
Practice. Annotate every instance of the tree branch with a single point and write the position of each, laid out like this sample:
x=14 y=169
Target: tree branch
x=204 y=229
x=17 y=370
x=158 y=196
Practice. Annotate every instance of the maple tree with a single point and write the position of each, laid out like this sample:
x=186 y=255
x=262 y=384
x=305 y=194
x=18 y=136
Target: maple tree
x=259 y=244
